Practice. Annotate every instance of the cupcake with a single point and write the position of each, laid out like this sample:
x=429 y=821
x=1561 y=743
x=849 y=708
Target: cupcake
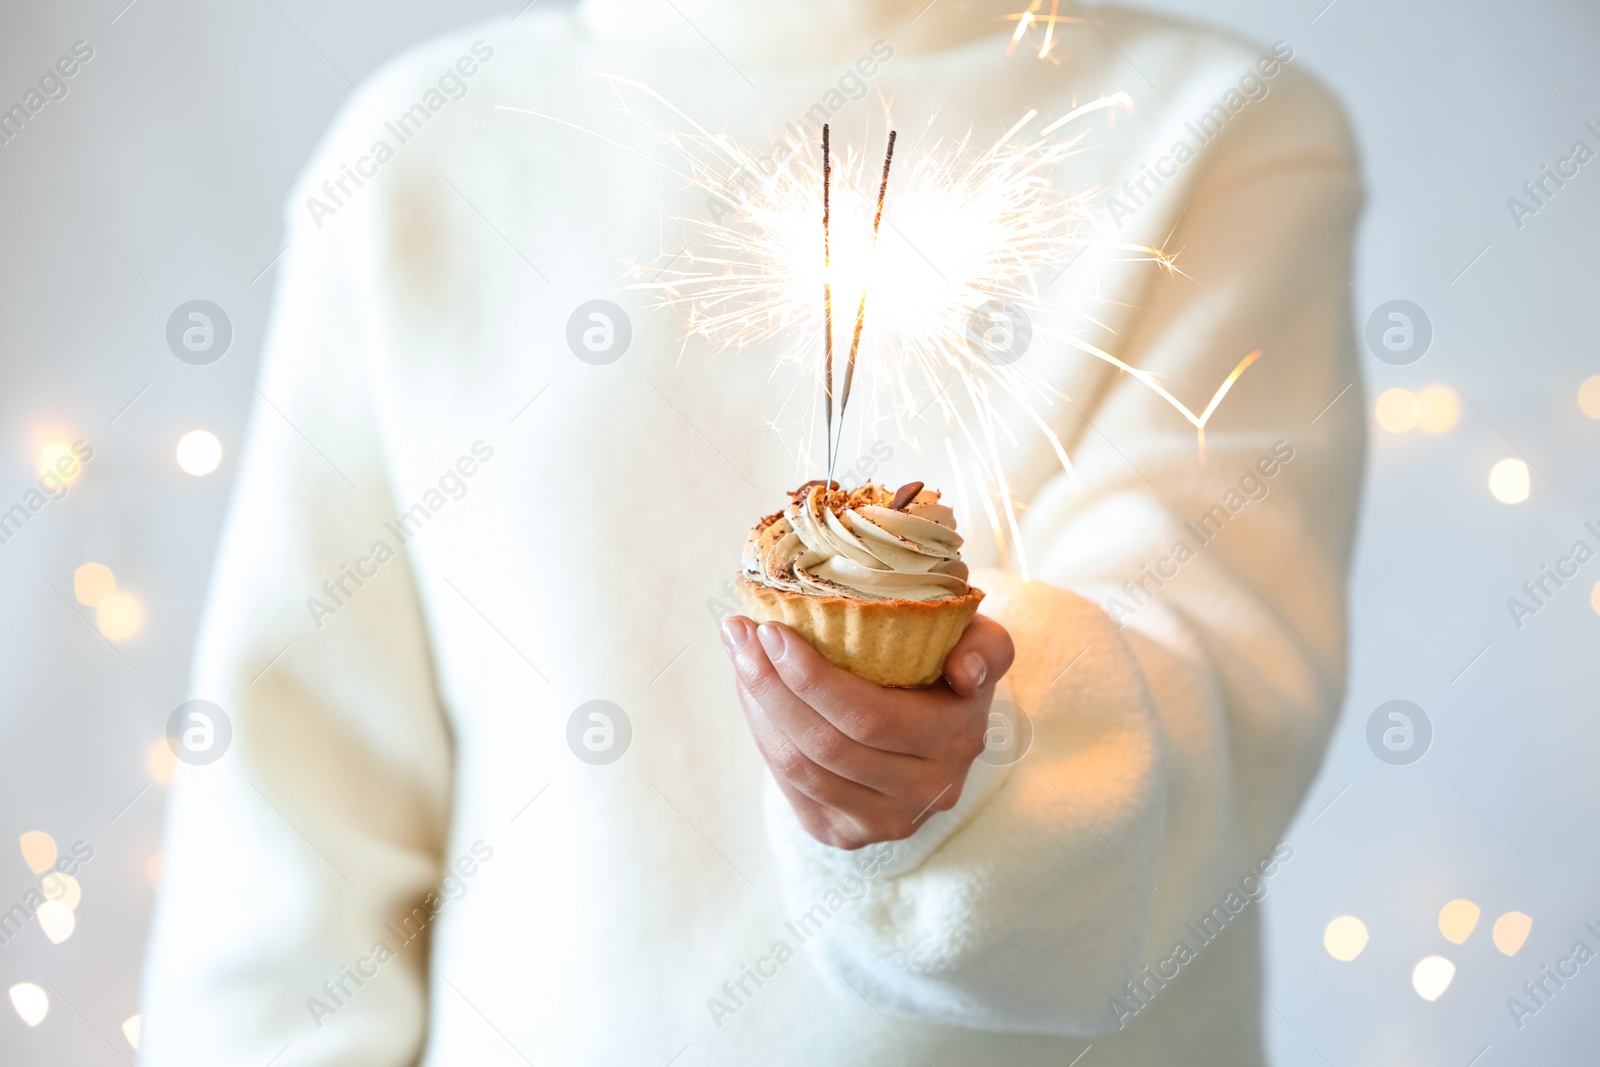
x=873 y=579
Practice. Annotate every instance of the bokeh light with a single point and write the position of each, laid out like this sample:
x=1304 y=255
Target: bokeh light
x=1398 y=410
x=57 y=458
x=120 y=617
x=1439 y=408
x=1458 y=919
x=1509 y=481
x=1432 y=976
x=1589 y=397
x=31 y=1002
x=1345 y=938
x=56 y=920
x=1594 y=598
x=60 y=886
x=38 y=850
x=162 y=763
x=93 y=584
x=1511 y=932
x=74 y=766
x=199 y=452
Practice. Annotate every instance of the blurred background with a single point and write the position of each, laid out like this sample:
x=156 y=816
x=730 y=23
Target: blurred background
x=1446 y=854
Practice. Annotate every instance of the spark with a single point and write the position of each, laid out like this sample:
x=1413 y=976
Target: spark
x=1027 y=20
x=967 y=227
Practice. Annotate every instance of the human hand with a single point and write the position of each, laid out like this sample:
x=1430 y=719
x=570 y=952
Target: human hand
x=858 y=762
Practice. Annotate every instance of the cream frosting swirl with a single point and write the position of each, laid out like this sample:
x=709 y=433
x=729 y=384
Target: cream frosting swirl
x=855 y=544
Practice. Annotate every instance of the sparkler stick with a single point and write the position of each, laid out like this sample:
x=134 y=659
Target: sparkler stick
x=861 y=309
x=827 y=295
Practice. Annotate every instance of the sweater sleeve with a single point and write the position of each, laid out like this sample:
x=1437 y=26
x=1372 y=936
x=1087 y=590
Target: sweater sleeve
x=324 y=818
x=1180 y=642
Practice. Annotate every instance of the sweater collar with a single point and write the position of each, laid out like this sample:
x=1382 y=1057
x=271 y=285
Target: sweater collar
x=800 y=32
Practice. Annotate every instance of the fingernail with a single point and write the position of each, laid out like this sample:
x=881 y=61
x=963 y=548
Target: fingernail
x=772 y=641
x=977 y=669
x=735 y=634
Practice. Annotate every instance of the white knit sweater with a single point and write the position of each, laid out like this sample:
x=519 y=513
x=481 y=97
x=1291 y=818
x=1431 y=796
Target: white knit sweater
x=405 y=732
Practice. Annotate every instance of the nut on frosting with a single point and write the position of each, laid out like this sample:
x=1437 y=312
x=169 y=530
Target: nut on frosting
x=866 y=543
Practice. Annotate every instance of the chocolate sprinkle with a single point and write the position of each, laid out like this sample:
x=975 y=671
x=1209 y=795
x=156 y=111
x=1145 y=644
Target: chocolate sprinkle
x=905 y=495
x=815 y=481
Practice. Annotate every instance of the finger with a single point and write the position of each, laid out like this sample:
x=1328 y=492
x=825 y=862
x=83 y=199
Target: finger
x=828 y=825
x=833 y=809
x=910 y=722
x=838 y=811
x=980 y=658
x=851 y=827
x=815 y=737
x=818 y=820
x=791 y=765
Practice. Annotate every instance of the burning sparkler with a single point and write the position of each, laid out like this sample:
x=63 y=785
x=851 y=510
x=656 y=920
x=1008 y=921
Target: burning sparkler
x=827 y=293
x=1027 y=20
x=965 y=229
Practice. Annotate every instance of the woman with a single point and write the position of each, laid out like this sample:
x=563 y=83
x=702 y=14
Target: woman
x=452 y=535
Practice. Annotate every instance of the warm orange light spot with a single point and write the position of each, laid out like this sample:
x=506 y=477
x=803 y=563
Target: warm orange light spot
x=1589 y=397
x=38 y=851
x=1398 y=410
x=93 y=584
x=1511 y=932
x=120 y=617
x=1345 y=938
x=162 y=763
x=1457 y=920
x=1439 y=408
x=62 y=887
x=56 y=459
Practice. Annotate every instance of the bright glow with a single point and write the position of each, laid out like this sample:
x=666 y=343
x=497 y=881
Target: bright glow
x=57 y=459
x=1457 y=920
x=58 y=885
x=1589 y=397
x=162 y=763
x=1432 y=977
x=93 y=584
x=1440 y=410
x=199 y=452
x=1509 y=481
x=1594 y=598
x=1027 y=20
x=968 y=226
x=38 y=850
x=31 y=1002
x=133 y=1030
x=1345 y=938
x=152 y=868
x=120 y=617
x=1398 y=410
x=1511 y=932
x=56 y=920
